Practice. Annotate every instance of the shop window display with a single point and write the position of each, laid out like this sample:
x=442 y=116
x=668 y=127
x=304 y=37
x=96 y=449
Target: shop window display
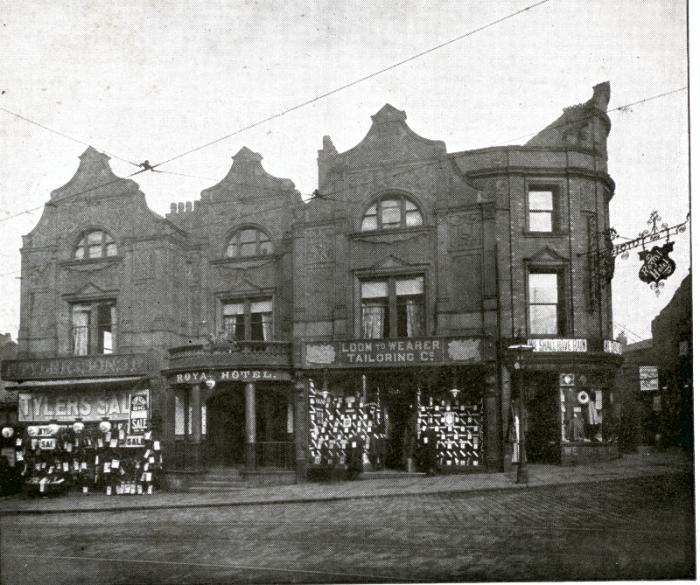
x=344 y=427
x=581 y=415
x=456 y=428
x=448 y=433
x=97 y=458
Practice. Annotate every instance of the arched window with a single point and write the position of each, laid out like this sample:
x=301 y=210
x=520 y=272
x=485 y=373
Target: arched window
x=95 y=244
x=249 y=242
x=391 y=212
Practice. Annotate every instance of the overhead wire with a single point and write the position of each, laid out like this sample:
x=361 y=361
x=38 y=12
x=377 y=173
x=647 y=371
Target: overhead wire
x=353 y=83
x=93 y=188
x=329 y=194
x=62 y=134
x=626 y=329
x=621 y=108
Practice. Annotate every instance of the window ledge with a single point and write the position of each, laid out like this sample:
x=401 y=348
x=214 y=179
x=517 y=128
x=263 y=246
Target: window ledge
x=385 y=232
x=235 y=259
x=90 y=263
x=558 y=234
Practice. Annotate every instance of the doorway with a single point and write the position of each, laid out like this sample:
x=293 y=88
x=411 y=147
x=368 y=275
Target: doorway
x=226 y=428
x=543 y=424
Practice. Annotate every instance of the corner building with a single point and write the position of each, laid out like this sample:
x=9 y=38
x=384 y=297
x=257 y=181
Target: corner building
x=370 y=324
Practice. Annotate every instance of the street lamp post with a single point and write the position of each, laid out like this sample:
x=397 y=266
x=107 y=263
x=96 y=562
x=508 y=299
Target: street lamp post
x=520 y=349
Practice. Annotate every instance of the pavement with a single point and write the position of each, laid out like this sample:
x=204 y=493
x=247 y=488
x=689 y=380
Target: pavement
x=628 y=467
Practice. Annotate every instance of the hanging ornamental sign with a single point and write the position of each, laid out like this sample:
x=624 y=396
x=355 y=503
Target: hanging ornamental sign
x=657 y=265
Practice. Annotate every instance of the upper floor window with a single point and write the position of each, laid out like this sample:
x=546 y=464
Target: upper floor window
x=93 y=327
x=545 y=307
x=248 y=319
x=541 y=206
x=95 y=244
x=393 y=307
x=249 y=242
x=391 y=213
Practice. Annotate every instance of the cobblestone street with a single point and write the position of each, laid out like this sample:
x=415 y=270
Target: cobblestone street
x=607 y=530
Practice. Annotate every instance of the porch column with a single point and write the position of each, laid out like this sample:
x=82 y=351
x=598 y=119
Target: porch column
x=196 y=407
x=301 y=427
x=493 y=436
x=250 y=425
x=506 y=419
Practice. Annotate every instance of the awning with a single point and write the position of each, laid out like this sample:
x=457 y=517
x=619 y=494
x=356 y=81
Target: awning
x=71 y=382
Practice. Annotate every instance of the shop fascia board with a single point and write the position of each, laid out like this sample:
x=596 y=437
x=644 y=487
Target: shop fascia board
x=15 y=386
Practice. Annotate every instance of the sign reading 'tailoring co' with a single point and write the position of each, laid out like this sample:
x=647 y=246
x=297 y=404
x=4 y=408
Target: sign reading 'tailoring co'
x=394 y=352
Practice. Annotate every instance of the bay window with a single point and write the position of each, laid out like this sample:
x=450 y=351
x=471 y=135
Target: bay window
x=392 y=307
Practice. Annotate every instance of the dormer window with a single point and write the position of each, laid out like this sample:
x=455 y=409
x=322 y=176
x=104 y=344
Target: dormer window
x=249 y=242
x=391 y=213
x=95 y=244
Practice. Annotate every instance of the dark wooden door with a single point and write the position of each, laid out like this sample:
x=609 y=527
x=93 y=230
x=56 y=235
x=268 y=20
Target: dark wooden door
x=226 y=428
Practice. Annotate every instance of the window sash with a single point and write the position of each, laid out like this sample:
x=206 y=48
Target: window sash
x=544 y=303
x=93 y=327
x=541 y=200
x=391 y=213
x=541 y=221
x=374 y=289
x=249 y=242
x=248 y=319
x=80 y=332
x=95 y=244
x=392 y=307
x=541 y=209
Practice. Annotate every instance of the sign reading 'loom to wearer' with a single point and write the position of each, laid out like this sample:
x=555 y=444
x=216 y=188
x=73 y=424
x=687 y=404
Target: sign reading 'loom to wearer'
x=393 y=352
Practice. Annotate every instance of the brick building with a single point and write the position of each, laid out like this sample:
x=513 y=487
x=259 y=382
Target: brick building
x=672 y=330
x=375 y=317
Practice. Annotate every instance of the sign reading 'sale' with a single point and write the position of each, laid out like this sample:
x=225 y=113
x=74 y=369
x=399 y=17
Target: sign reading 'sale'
x=138 y=412
x=657 y=265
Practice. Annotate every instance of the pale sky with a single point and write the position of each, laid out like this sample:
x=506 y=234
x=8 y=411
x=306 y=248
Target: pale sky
x=149 y=80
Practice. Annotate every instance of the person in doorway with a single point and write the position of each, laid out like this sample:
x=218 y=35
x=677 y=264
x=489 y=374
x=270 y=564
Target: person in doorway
x=429 y=448
x=354 y=452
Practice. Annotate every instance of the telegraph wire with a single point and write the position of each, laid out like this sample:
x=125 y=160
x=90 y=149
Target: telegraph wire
x=622 y=108
x=353 y=83
x=328 y=196
x=94 y=188
x=629 y=331
x=35 y=123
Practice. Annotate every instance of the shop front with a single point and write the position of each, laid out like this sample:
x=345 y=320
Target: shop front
x=568 y=390
x=421 y=404
x=85 y=422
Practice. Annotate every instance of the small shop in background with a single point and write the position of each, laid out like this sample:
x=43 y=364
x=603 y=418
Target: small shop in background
x=94 y=441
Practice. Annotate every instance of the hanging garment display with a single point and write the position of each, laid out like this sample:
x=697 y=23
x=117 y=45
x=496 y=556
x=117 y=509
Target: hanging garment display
x=93 y=459
x=458 y=431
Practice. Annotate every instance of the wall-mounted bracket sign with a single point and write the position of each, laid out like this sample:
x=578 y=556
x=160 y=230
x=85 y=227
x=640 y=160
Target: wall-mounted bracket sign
x=387 y=353
x=657 y=265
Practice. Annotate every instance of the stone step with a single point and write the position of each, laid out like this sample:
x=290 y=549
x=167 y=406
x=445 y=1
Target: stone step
x=217 y=482
x=389 y=475
x=215 y=490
